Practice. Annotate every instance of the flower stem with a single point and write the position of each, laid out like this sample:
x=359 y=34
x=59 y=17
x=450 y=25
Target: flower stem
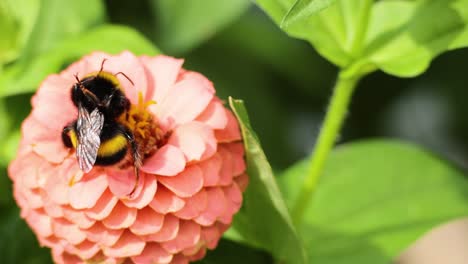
x=334 y=118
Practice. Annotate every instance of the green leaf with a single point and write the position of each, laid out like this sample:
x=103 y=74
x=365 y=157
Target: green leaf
x=18 y=243
x=6 y=195
x=391 y=35
x=184 y=24
x=5 y=121
x=8 y=42
x=374 y=199
x=276 y=9
x=399 y=41
x=332 y=32
x=58 y=20
x=16 y=22
x=229 y=252
x=25 y=77
x=263 y=219
x=40 y=26
x=13 y=111
x=304 y=8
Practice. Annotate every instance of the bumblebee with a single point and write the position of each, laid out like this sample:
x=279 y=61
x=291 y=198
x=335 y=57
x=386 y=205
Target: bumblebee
x=96 y=135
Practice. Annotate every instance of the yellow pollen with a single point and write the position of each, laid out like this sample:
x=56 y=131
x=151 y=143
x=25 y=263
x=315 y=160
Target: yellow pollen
x=72 y=181
x=143 y=125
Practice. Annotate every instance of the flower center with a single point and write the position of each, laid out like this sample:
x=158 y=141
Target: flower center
x=143 y=126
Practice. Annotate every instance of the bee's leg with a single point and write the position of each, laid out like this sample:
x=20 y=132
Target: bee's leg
x=135 y=154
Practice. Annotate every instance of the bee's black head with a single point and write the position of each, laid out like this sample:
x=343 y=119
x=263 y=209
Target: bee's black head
x=100 y=91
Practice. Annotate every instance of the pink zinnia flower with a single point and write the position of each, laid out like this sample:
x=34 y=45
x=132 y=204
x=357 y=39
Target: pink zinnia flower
x=191 y=179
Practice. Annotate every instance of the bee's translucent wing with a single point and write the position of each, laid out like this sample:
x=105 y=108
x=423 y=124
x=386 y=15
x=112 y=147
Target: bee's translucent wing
x=89 y=127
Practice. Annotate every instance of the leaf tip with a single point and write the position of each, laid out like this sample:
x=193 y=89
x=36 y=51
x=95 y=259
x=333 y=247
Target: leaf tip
x=233 y=101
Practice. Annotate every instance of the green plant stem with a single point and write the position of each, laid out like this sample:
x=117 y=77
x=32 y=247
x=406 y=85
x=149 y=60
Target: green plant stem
x=334 y=118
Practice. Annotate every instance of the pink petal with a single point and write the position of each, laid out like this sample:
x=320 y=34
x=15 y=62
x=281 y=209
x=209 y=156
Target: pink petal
x=233 y=193
x=64 y=229
x=166 y=202
x=147 y=222
x=53 y=151
x=102 y=235
x=24 y=148
x=188 y=236
x=222 y=227
x=85 y=250
x=50 y=241
x=60 y=256
x=33 y=131
x=52 y=103
x=217 y=205
x=231 y=132
x=25 y=170
x=146 y=195
x=52 y=109
x=211 y=169
x=46 y=170
x=214 y=115
x=86 y=192
x=237 y=152
x=80 y=68
x=164 y=71
x=122 y=182
x=242 y=181
x=179 y=259
x=194 y=252
x=120 y=217
x=191 y=75
x=72 y=179
x=184 y=102
x=195 y=139
x=102 y=259
x=226 y=217
x=20 y=198
x=169 y=230
x=193 y=206
x=77 y=217
x=153 y=253
x=124 y=62
x=211 y=235
x=128 y=245
x=39 y=222
x=167 y=161
x=227 y=168
x=43 y=141
x=103 y=207
x=52 y=209
x=186 y=183
x=58 y=185
x=34 y=198
x=199 y=255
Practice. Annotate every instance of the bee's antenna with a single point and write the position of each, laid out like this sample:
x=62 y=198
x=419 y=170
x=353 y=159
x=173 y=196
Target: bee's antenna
x=130 y=80
x=78 y=80
x=102 y=65
x=84 y=89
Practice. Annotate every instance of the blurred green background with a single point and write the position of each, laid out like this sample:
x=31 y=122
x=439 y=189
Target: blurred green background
x=285 y=84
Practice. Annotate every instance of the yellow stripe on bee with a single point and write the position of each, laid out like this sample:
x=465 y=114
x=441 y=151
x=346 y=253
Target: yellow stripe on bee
x=73 y=138
x=112 y=146
x=108 y=76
